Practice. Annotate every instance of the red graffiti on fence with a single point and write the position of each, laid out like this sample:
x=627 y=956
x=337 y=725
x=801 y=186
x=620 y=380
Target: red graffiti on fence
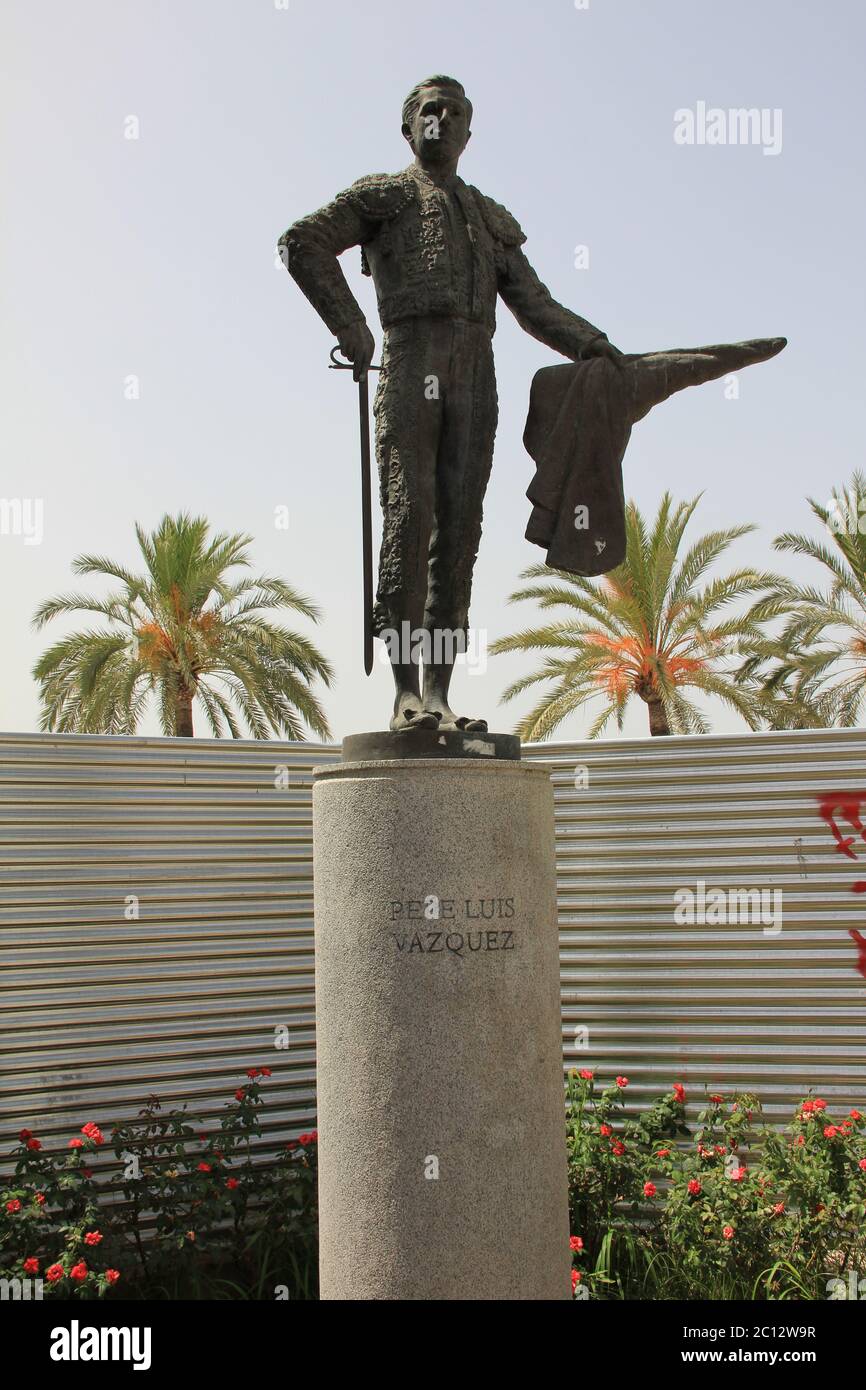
x=847 y=807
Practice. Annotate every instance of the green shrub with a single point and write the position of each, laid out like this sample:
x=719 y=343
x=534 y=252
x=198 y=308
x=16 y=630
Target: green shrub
x=736 y=1211
x=188 y=1215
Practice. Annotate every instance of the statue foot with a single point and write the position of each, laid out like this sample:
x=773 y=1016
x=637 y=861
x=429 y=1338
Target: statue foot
x=437 y=702
x=412 y=716
x=464 y=724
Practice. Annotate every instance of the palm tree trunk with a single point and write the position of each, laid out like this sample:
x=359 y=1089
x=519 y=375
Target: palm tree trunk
x=183 y=715
x=658 y=720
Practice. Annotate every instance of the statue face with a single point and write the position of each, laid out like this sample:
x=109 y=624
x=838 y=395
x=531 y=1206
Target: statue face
x=439 y=131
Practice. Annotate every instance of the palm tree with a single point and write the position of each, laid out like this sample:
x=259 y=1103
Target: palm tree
x=182 y=630
x=785 y=696
x=645 y=629
x=818 y=660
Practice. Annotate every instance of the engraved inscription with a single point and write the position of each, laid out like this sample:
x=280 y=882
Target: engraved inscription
x=447 y=939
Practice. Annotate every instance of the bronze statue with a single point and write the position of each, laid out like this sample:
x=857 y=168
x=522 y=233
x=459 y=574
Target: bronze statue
x=440 y=252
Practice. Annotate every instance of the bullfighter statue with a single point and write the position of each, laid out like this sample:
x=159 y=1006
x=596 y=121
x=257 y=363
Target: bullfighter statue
x=440 y=252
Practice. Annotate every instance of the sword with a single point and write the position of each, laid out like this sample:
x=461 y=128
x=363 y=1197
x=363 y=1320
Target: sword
x=366 y=513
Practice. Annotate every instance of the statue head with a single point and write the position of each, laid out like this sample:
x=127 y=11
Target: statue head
x=436 y=118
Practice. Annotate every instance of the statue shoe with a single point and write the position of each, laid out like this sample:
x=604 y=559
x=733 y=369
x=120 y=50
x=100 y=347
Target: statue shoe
x=465 y=725
x=413 y=719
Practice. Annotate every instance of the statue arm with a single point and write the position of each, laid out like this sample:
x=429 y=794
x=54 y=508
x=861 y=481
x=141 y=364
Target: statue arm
x=309 y=251
x=538 y=312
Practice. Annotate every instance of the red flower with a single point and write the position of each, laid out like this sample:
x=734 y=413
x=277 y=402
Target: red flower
x=252 y=1073
x=738 y=1174
x=31 y=1266
x=264 y=1071
x=93 y=1132
x=663 y=1153
x=24 y=1135
x=855 y=1114
x=76 y=1143
x=728 y=1232
x=53 y=1273
x=605 y=1130
x=203 y=1138
x=40 y=1197
x=79 y=1271
x=239 y=1095
x=575 y=1279
x=717 y=1100
x=679 y=1092
x=314 y=1136
x=292 y=1144
x=14 y=1205
x=830 y=1131
x=862 y=1164
x=93 y=1238
x=810 y=1106
x=719 y=1148
x=649 y=1189
x=622 y=1082
x=586 y=1074
x=575 y=1243
x=694 y=1187
x=112 y=1275
x=231 y=1184
x=779 y=1208
x=801 y=1139
x=618 y=1148
x=87 y=1172
x=204 y=1167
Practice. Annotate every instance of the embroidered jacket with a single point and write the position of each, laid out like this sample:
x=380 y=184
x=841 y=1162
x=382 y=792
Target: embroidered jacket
x=431 y=251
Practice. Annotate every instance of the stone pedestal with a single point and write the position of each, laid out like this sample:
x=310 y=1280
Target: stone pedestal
x=442 y=1161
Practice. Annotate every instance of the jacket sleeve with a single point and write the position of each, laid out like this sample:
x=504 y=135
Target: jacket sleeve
x=538 y=312
x=309 y=251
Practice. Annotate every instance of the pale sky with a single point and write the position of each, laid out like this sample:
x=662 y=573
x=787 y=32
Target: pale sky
x=154 y=257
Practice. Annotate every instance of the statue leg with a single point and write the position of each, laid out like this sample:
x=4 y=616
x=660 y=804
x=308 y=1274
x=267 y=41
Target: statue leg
x=463 y=469
x=407 y=438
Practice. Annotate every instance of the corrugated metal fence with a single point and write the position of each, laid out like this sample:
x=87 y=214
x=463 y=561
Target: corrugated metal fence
x=731 y=1002
x=156 y=927
x=156 y=920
